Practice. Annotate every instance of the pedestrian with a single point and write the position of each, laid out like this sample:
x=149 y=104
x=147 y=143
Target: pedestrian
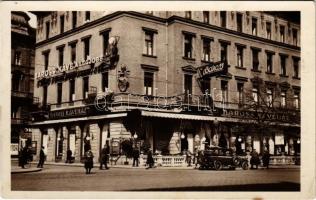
x=266 y=159
x=195 y=156
x=188 y=157
x=22 y=157
x=254 y=160
x=88 y=163
x=150 y=160
x=104 y=157
x=69 y=156
x=41 y=158
x=135 y=156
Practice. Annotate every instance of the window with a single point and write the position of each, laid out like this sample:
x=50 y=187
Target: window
x=206 y=17
x=269 y=62
x=223 y=52
x=255 y=94
x=87 y=15
x=105 y=80
x=149 y=83
x=188 y=14
x=224 y=90
x=46 y=60
x=255 y=59
x=296 y=67
x=59 y=92
x=294 y=37
x=62 y=23
x=268 y=30
x=269 y=97
x=73 y=52
x=283 y=65
x=296 y=99
x=44 y=95
x=17 y=58
x=188 y=49
x=240 y=89
x=254 y=26
x=283 y=99
x=149 y=43
x=85 y=88
x=74 y=19
x=282 y=37
x=47 y=30
x=206 y=85
x=187 y=83
x=206 y=49
x=223 y=19
x=60 y=56
x=105 y=37
x=240 y=59
x=239 y=22
x=86 y=52
x=71 y=90
x=16 y=81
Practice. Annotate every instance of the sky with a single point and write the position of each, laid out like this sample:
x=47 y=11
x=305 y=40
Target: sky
x=32 y=20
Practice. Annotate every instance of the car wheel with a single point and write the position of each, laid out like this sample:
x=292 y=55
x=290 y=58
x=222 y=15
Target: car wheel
x=218 y=165
x=236 y=161
x=244 y=166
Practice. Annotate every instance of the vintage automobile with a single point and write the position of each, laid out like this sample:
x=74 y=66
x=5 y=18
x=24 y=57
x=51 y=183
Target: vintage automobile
x=218 y=158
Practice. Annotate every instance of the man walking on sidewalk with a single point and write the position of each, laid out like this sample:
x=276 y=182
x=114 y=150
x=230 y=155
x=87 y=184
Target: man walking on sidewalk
x=135 y=156
x=41 y=158
x=104 y=157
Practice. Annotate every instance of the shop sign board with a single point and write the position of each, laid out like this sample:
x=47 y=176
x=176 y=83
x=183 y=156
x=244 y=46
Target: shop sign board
x=67 y=113
x=14 y=149
x=212 y=69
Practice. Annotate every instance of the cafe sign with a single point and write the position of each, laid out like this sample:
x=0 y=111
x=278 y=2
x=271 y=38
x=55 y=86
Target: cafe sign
x=212 y=69
x=67 y=113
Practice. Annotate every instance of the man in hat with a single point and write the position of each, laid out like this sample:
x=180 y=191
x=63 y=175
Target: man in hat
x=41 y=158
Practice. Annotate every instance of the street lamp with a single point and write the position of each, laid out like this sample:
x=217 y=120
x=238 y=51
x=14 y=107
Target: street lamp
x=239 y=139
x=298 y=141
x=182 y=136
x=135 y=136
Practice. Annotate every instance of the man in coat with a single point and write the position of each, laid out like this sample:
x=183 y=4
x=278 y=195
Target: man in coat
x=104 y=157
x=266 y=159
x=41 y=158
x=150 y=160
x=135 y=156
x=254 y=160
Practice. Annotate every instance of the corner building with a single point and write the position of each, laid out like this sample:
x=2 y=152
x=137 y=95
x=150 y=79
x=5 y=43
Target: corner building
x=106 y=77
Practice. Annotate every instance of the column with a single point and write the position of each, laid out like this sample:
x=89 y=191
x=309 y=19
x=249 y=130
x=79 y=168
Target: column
x=190 y=142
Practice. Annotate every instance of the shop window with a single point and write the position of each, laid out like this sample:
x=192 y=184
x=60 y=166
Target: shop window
x=296 y=67
x=255 y=95
x=59 y=92
x=85 y=87
x=294 y=32
x=240 y=59
x=73 y=51
x=283 y=65
x=86 y=43
x=149 y=43
x=223 y=19
x=46 y=60
x=71 y=90
x=269 y=97
x=62 y=23
x=188 y=14
x=224 y=91
x=283 y=99
x=240 y=89
x=282 y=36
x=60 y=56
x=87 y=16
x=17 y=58
x=206 y=49
x=254 y=28
x=105 y=80
x=188 y=46
x=105 y=36
x=269 y=63
x=296 y=99
x=47 y=29
x=268 y=30
x=239 y=22
x=206 y=17
x=148 y=83
x=74 y=19
x=255 y=59
x=44 y=102
x=223 y=52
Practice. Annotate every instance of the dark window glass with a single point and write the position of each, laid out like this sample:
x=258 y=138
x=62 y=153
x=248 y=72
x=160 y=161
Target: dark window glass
x=269 y=63
x=239 y=22
x=255 y=60
x=206 y=86
x=17 y=58
x=268 y=30
x=105 y=80
x=47 y=30
x=72 y=90
x=223 y=19
x=294 y=37
x=74 y=19
x=188 y=84
x=59 y=92
x=46 y=60
x=283 y=65
x=240 y=89
x=223 y=52
x=224 y=89
x=16 y=82
x=282 y=36
x=206 y=49
x=148 y=83
x=188 y=14
x=149 y=43
x=240 y=59
x=62 y=23
x=44 y=95
x=61 y=56
x=87 y=15
x=73 y=52
x=206 y=17
x=188 y=46
x=86 y=48
x=105 y=36
x=254 y=26
x=296 y=67
x=85 y=87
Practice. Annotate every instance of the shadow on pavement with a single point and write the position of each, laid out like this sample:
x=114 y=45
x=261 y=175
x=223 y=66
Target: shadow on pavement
x=282 y=186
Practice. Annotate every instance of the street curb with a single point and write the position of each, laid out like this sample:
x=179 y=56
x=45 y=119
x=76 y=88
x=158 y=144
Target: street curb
x=18 y=171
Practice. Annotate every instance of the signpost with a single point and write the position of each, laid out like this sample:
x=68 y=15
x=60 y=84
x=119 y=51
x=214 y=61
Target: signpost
x=212 y=69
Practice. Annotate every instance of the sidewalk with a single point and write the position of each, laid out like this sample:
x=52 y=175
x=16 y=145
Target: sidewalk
x=17 y=169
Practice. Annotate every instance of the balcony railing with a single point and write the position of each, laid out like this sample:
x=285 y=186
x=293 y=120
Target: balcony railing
x=21 y=94
x=16 y=121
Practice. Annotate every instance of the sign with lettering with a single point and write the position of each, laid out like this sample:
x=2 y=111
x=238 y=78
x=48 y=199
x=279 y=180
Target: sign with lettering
x=67 y=113
x=212 y=69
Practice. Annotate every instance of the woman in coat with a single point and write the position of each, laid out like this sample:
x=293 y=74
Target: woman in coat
x=88 y=164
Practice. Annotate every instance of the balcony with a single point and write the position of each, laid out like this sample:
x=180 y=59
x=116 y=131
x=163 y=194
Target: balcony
x=20 y=94
x=19 y=121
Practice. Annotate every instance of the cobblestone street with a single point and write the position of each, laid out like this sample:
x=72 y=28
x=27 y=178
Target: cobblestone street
x=70 y=178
